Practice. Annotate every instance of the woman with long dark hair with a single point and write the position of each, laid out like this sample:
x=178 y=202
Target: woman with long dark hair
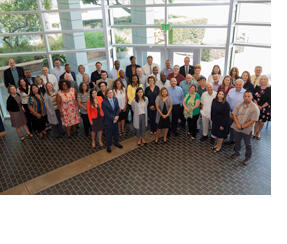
x=248 y=86
x=83 y=97
x=234 y=74
x=24 y=90
x=226 y=85
x=38 y=110
x=139 y=107
x=96 y=116
x=220 y=111
x=120 y=93
x=17 y=115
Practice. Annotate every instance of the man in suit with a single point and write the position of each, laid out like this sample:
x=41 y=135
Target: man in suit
x=104 y=78
x=13 y=74
x=186 y=68
x=111 y=110
x=148 y=68
x=96 y=75
x=29 y=79
x=69 y=72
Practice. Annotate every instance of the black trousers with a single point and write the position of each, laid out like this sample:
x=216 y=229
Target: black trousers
x=28 y=117
x=176 y=114
x=86 y=124
x=152 y=118
x=112 y=132
x=238 y=136
x=192 y=125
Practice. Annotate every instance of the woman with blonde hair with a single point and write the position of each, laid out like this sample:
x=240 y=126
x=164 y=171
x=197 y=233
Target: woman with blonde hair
x=163 y=104
x=80 y=75
x=262 y=98
x=197 y=75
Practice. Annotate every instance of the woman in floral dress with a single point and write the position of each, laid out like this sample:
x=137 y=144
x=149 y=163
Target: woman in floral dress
x=68 y=106
x=262 y=97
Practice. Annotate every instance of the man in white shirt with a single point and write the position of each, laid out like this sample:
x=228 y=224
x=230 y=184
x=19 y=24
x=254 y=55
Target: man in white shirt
x=206 y=101
x=216 y=82
x=148 y=68
x=255 y=78
x=49 y=78
x=163 y=82
x=115 y=72
x=142 y=77
x=58 y=70
x=155 y=73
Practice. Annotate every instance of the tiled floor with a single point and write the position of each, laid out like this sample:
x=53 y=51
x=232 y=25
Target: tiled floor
x=178 y=167
x=22 y=161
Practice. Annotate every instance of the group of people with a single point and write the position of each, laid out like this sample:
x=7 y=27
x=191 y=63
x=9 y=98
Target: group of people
x=231 y=105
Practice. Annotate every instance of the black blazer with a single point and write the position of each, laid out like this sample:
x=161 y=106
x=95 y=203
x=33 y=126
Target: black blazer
x=12 y=105
x=248 y=86
x=182 y=70
x=96 y=76
x=72 y=73
x=8 y=77
x=109 y=112
x=129 y=71
x=33 y=80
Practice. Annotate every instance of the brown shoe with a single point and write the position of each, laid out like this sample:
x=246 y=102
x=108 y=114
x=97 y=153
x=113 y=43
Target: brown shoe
x=245 y=161
x=234 y=155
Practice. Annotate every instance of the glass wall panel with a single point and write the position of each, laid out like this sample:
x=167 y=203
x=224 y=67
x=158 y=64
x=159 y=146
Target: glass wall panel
x=253 y=34
x=210 y=57
x=197 y=36
x=199 y=15
x=254 y=12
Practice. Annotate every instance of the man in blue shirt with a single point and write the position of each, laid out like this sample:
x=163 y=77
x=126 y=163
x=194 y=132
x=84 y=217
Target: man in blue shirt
x=235 y=96
x=185 y=84
x=177 y=96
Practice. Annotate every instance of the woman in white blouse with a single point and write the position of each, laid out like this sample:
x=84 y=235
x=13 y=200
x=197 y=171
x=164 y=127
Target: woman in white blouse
x=215 y=69
x=80 y=75
x=120 y=93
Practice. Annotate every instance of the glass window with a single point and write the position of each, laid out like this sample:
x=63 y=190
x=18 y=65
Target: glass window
x=138 y=36
x=246 y=58
x=199 y=15
x=254 y=12
x=24 y=43
x=210 y=57
x=26 y=5
x=138 y=16
x=253 y=34
x=123 y=55
x=129 y=2
x=200 y=36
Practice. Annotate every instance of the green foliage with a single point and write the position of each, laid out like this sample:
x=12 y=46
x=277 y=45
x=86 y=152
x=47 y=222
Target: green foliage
x=186 y=35
x=121 y=40
x=205 y=55
x=62 y=58
x=94 y=39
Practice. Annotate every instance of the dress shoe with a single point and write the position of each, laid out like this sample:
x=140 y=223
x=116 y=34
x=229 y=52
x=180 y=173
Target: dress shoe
x=109 y=149
x=234 y=155
x=119 y=145
x=175 y=133
x=229 y=143
x=203 y=138
x=245 y=161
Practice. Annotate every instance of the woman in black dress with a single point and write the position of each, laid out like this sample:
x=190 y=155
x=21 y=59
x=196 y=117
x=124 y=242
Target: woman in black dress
x=262 y=97
x=151 y=92
x=220 y=110
x=163 y=106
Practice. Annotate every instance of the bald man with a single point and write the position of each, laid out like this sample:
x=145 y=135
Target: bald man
x=13 y=74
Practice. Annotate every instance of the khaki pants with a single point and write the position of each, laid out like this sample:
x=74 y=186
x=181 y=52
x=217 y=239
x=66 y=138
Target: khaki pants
x=205 y=126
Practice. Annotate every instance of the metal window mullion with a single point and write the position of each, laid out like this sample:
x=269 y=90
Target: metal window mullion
x=253 y=24
x=171 y=5
x=45 y=36
x=105 y=25
x=228 y=38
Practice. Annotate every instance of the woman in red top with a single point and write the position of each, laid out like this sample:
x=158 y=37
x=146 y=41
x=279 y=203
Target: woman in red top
x=96 y=116
x=226 y=85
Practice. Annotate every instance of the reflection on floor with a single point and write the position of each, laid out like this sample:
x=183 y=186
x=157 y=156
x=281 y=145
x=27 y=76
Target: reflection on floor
x=178 y=167
x=23 y=161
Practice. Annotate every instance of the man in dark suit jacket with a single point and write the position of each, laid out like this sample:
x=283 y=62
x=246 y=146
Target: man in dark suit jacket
x=13 y=74
x=29 y=79
x=96 y=75
x=129 y=71
x=186 y=68
x=111 y=110
x=68 y=70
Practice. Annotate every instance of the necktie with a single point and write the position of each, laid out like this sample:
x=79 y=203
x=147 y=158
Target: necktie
x=118 y=74
x=47 y=78
x=112 y=103
x=150 y=71
x=186 y=70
